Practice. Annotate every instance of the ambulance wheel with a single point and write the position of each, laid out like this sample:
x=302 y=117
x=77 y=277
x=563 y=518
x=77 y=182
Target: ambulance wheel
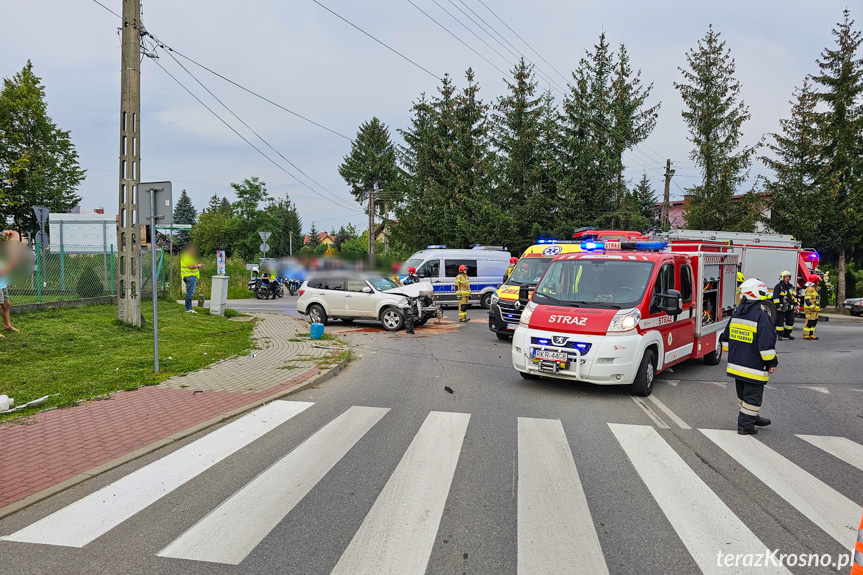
x=643 y=384
x=530 y=376
x=502 y=336
x=485 y=302
x=713 y=358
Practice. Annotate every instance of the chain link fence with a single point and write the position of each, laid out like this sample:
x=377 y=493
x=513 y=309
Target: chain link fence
x=75 y=272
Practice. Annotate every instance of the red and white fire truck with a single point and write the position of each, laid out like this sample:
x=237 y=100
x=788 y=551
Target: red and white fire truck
x=620 y=312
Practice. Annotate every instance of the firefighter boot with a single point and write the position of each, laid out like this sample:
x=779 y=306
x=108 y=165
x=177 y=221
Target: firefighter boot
x=762 y=421
x=746 y=430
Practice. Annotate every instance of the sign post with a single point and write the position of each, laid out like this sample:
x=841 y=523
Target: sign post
x=158 y=209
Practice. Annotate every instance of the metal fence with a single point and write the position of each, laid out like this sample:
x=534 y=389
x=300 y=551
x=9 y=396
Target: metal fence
x=74 y=272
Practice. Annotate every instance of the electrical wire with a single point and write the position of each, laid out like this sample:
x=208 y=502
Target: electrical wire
x=108 y=9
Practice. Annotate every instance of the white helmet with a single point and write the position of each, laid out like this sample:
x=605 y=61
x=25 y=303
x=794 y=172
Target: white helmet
x=753 y=289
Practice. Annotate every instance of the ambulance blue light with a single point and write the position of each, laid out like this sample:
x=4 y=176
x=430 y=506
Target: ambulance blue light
x=582 y=346
x=542 y=341
x=546 y=241
x=591 y=246
x=439 y=247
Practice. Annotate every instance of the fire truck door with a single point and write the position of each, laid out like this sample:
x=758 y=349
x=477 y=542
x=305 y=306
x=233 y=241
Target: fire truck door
x=685 y=326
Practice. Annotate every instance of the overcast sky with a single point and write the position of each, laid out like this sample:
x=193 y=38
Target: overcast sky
x=306 y=59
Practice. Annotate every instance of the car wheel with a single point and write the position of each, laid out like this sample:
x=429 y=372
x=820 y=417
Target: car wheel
x=857 y=313
x=485 y=302
x=502 y=336
x=714 y=357
x=643 y=384
x=525 y=375
x=317 y=314
x=392 y=319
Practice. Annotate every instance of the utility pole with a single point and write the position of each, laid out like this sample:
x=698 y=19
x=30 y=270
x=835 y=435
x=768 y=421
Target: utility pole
x=372 y=225
x=665 y=199
x=129 y=242
x=291 y=242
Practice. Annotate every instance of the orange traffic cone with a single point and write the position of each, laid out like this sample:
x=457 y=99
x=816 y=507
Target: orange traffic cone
x=857 y=567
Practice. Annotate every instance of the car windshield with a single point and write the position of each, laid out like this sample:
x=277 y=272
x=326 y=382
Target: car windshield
x=382 y=283
x=528 y=271
x=598 y=283
x=412 y=263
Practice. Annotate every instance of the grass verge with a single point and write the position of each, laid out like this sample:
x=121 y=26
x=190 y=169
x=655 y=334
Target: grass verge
x=83 y=353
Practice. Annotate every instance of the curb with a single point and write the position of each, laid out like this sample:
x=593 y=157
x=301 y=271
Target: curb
x=16 y=506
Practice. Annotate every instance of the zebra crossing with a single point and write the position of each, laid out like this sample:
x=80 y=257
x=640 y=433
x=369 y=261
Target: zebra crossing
x=555 y=526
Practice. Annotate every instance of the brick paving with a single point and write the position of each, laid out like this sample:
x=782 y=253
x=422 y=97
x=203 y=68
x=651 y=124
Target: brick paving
x=50 y=447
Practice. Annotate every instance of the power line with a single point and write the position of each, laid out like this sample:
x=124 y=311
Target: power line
x=108 y=9
x=390 y=48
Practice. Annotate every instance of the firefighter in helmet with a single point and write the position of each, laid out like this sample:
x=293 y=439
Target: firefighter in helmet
x=811 y=307
x=412 y=277
x=395 y=274
x=740 y=279
x=462 y=292
x=784 y=300
x=508 y=272
x=750 y=340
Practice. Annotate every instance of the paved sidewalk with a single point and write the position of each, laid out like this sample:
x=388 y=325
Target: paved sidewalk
x=66 y=445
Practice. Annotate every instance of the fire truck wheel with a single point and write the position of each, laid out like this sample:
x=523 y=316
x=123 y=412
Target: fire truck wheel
x=713 y=358
x=528 y=375
x=643 y=384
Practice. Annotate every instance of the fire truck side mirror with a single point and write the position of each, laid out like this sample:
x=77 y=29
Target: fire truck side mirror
x=670 y=302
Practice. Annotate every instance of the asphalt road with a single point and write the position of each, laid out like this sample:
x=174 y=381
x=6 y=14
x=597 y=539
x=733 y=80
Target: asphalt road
x=501 y=476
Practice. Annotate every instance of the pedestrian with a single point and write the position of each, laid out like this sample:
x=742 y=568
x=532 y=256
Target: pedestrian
x=190 y=270
x=784 y=300
x=462 y=292
x=811 y=307
x=412 y=277
x=395 y=274
x=8 y=260
x=508 y=272
x=750 y=340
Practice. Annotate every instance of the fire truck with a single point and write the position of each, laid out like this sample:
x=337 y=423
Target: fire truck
x=619 y=312
x=505 y=309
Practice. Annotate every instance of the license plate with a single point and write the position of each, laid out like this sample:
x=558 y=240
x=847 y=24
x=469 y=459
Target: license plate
x=560 y=356
x=511 y=325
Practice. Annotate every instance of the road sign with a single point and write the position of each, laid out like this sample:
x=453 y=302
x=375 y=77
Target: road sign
x=264 y=247
x=264 y=237
x=164 y=204
x=41 y=215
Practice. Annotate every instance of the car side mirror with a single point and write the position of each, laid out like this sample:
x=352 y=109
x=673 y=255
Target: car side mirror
x=670 y=302
x=367 y=289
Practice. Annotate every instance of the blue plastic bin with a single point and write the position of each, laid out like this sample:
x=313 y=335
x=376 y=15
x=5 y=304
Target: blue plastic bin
x=317 y=331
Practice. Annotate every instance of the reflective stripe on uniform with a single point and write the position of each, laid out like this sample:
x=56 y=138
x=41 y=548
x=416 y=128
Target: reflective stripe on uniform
x=780 y=327
x=768 y=354
x=749 y=409
x=745 y=322
x=724 y=346
x=748 y=372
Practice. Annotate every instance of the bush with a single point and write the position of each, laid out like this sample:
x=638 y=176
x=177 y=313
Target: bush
x=89 y=284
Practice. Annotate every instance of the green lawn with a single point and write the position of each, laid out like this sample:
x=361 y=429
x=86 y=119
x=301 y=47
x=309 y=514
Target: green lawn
x=85 y=352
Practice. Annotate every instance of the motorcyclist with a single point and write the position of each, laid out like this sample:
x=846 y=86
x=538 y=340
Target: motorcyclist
x=272 y=285
x=508 y=272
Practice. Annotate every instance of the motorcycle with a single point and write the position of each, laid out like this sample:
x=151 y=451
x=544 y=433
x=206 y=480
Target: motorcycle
x=293 y=287
x=260 y=286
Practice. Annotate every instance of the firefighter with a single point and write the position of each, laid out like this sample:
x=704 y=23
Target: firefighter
x=462 y=292
x=750 y=340
x=740 y=279
x=508 y=272
x=811 y=307
x=784 y=300
x=412 y=277
x=395 y=274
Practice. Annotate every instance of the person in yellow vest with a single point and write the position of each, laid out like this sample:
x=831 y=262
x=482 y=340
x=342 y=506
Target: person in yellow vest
x=811 y=307
x=462 y=292
x=508 y=272
x=190 y=271
x=395 y=273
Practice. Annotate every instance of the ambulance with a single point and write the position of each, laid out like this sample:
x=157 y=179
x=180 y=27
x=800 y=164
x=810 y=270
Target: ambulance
x=505 y=309
x=619 y=313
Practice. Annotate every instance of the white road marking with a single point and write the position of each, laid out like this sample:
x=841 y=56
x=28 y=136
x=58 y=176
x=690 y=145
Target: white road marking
x=671 y=382
x=230 y=532
x=722 y=384
x=840 y=447
x=399 y=531
x=769 y=386
x=555 y=528
x=680 y=423
x=650 y=413
x=94 y=515
x=814 y=388
x=834 y=513
x=703 y=522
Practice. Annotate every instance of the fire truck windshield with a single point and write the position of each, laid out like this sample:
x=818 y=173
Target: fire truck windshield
x=528 y=271
x=599 y=283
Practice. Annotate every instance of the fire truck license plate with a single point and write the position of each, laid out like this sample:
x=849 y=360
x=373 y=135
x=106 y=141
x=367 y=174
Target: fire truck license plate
x=560 y=356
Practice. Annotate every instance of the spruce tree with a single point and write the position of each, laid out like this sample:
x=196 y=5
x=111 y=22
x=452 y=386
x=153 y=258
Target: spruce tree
x=287 y=230
x=38 y=162
x=184 y=213
x=645 y=201
x=839 y=89
x=214 y=204
x=715 y=113
x=313 y=237
x=794 y=196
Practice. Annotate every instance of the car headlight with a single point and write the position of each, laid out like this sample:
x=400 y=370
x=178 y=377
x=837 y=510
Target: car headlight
x=858 y=303
x=625 y=320
x=525 y=315
x=494 y=298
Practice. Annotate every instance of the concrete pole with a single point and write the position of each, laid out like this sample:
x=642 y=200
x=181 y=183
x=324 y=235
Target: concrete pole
x=129 y=242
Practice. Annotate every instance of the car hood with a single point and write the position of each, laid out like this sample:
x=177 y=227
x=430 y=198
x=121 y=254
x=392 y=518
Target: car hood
x=411 y=290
